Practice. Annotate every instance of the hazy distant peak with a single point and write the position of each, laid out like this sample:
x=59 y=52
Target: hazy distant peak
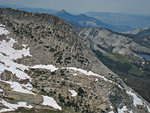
x=62 y=11
x=82 y=15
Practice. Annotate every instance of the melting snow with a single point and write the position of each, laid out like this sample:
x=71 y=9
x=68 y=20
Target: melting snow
x=11 y=52
x=6 y=47
x=18 y=87
x=136 y=100
x=148 y=108
x=1 y=90
x=49 y=67
x=75 y=74
x=7 y=56
x=28 y=86
x=13 y=107
x=49 y=101
x=3 y=30
x=73 y=92
x=123 y=110
x=111 y=106
x=96 y=79
x=93 y=74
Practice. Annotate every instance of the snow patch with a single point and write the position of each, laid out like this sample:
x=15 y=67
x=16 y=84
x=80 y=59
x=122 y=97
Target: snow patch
x=79 y=84
x=123 y=110
x=1 y=90
x=18 y=87
x=13 y=107
x=49 y=67
x=75 y=74
x=111 y=106
x=136 y=100
x=28 y=86
x=73 y=92
x=49 y=101
x=6 y=47
x=11 y=52
x=3 y=30
x=96 y=79
x=7 y=56
x=148 y=108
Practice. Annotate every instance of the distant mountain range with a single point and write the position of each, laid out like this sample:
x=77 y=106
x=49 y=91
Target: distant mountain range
x=83 y=20
x=124 y=22
x=112 y=21
x=33 y=10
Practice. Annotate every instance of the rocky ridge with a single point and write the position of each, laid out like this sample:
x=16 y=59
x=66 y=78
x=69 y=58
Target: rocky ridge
x=106 y=40
x=141 y=36
x=139 y=31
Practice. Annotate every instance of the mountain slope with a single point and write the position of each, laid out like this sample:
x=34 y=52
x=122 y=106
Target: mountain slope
x=119 y=52
x=111 y=41
x=48 y=68
x=141 y=36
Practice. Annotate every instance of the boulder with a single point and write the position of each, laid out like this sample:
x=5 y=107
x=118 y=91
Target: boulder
x=7 y=76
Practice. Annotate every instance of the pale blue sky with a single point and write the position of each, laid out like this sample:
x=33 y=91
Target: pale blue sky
x=81 y=6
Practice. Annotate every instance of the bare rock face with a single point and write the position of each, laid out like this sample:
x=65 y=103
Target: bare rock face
x=22 y=97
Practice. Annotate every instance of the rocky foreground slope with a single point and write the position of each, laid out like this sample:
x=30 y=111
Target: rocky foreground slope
x=46 y=67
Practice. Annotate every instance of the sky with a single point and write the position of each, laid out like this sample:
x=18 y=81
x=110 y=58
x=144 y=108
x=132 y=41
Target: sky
x=82 y=6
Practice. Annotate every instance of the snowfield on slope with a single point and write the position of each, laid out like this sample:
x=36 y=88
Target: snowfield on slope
x=124 y=110
x=136 y=100
x=7 y=56
x=90 y=73
x=13 y=107
x=48 y=67
x=49 y=101
x=3 y=30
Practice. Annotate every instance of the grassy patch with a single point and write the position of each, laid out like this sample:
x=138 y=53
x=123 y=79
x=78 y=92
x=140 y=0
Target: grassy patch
x=119 y=58
x=135 y=71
